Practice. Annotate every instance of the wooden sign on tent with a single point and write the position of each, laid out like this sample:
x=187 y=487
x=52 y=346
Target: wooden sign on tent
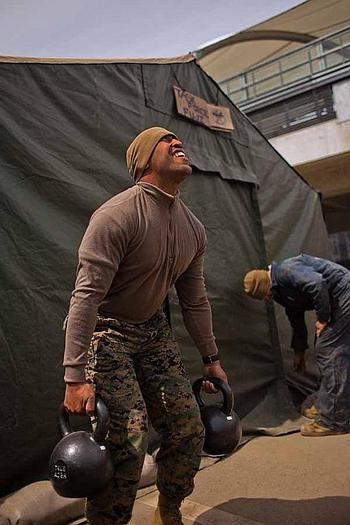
x=199 y=110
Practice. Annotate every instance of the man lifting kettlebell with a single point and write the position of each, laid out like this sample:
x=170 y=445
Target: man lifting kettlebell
x=118 y=341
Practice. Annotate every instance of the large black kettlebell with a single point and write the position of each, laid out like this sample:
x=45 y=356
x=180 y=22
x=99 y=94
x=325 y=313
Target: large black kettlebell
x=80 y=464
x=223 y=429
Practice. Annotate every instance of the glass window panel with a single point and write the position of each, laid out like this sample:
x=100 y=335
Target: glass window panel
x=332 y=42
x=333 y=59
x=294 y=59
x=239 y=96
x=234 y=84
x=248 y=77
x=267 y=85
x=251 y=92
x=345 y=37
x=318 y=65
x=266 y=71
x=296 y=74
x=314 y=51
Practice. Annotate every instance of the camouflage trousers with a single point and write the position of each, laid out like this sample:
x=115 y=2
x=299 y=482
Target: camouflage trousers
x=137 y=370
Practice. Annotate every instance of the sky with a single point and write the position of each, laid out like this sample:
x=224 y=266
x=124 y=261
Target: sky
x=124 y=28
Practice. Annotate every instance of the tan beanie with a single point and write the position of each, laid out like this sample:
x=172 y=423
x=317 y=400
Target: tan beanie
x=140 y=150
x=257 y=283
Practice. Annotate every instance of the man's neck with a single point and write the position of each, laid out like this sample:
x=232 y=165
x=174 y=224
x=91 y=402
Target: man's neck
x=167 y=186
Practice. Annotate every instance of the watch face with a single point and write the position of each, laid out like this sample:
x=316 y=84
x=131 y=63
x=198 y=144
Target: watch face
x=209 y=359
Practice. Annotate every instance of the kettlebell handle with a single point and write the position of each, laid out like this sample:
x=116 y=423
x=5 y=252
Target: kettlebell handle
x=102 y=417
x=225 y=389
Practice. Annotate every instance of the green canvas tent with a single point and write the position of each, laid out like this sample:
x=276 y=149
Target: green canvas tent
x=64 y=129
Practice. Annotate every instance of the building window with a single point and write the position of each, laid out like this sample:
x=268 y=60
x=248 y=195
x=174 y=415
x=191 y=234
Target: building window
x=295 y=113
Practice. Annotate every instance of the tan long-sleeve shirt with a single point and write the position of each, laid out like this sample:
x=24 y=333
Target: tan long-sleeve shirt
x=137 y=245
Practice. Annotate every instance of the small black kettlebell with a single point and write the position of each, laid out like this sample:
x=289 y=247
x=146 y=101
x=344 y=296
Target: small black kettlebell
x=223 y=429
x=80 y=464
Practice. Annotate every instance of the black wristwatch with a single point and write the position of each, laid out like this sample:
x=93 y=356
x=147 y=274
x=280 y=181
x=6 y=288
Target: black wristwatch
x=209 y=359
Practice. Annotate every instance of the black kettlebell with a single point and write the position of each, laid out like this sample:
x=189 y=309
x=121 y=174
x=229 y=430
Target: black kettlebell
x=80 y=464
x=223 y=429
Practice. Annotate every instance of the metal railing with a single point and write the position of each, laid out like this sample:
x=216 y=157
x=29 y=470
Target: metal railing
x=309 y=62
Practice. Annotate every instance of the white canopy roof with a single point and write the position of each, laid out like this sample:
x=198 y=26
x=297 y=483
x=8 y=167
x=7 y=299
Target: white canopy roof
x=276 y=36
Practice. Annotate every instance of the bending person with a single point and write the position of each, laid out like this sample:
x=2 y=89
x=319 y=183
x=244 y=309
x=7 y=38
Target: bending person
x=118 y=341
x=310 y=283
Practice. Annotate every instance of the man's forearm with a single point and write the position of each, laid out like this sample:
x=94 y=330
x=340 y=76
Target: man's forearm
x=198 y=322
x=80 y=327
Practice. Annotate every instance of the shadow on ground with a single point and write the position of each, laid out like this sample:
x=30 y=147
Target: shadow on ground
x=333 y=510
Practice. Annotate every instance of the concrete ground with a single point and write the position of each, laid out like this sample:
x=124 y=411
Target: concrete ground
x=286 y=480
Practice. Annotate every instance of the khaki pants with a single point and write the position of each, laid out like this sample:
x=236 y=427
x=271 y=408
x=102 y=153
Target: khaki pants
x=137 y=370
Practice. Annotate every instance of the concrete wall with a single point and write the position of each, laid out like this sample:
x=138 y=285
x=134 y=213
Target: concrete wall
x=321 y=140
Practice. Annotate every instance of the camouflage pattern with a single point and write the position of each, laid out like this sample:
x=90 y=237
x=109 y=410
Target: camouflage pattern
x=137 y=370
